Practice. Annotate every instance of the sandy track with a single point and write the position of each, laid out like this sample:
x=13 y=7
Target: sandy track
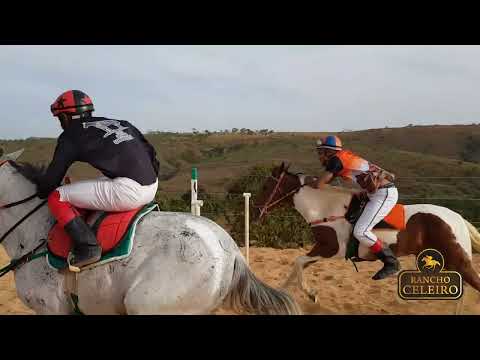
x=341 y=290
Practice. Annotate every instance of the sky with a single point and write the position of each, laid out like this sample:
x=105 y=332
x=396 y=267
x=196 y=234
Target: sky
x=284 y=88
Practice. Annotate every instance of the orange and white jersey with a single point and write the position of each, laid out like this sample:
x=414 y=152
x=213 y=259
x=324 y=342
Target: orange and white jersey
x=353 y=165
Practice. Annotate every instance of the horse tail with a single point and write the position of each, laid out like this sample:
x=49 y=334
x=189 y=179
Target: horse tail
x=474 y=236
x=250 y=294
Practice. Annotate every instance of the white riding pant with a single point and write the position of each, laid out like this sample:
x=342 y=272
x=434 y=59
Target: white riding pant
x=380 y=204
x=119 y=194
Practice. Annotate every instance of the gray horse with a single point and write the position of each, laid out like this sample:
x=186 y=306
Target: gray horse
x=180 y=264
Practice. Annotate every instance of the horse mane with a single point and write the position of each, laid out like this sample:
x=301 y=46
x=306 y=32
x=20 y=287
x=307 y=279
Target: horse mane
x=31 y=172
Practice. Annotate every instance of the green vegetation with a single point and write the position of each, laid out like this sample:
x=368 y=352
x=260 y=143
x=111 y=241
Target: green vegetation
x=430 y=162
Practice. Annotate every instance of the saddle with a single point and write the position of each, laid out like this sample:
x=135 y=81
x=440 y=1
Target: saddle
x=395 y=220
x=114 y=231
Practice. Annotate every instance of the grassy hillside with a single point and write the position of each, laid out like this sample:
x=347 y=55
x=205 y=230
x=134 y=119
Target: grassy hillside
x=428 y=161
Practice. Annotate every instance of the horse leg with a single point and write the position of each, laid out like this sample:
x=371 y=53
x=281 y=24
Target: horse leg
x=295 y=273
x=302 y=262
x=290 y=278
x=460 y=302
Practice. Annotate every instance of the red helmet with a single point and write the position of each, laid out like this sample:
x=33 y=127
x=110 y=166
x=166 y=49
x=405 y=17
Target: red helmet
x=72 y=102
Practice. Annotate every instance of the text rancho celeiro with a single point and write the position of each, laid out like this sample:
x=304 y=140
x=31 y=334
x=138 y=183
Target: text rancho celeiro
x=430 y=281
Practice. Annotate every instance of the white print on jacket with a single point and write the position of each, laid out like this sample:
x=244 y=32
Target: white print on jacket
x=120 y=135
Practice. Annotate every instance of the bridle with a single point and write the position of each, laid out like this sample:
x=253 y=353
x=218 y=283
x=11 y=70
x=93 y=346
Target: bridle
x=15 y=263
x=16 y=203
x=269 y=204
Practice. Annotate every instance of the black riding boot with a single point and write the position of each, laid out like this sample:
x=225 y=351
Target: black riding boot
x=85 y=249
x=391 y=264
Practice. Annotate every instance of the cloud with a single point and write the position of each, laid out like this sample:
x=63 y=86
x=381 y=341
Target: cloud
x=303 y=88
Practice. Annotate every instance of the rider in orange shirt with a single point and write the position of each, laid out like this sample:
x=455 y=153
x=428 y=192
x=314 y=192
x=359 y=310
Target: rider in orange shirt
x=381 y=191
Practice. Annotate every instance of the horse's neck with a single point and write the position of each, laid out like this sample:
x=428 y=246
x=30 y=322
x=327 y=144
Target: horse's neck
x=315 y=204
x=28 y=235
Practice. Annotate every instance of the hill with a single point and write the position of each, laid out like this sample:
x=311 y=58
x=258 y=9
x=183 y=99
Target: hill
x=429 y=162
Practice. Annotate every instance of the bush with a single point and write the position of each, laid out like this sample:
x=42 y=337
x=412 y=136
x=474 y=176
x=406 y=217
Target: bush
x=282 y=228
x=471 y=151
x=213 y=207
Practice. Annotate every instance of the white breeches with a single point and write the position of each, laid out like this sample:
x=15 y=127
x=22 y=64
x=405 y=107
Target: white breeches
x=380 y=204
x=119 y=194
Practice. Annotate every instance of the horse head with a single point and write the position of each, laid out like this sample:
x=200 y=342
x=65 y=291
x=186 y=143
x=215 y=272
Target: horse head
x=5 y=160
x=277 y=190
x=12 y=156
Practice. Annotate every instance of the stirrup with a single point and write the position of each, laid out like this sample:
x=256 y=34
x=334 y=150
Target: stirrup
x=71 y=267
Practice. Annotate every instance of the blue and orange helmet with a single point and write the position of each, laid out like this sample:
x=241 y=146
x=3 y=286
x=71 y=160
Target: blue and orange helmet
x=330 y=142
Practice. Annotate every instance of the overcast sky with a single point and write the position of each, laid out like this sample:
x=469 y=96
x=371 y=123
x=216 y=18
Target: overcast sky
x=285 y=88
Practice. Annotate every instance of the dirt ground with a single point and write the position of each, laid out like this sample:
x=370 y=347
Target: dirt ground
x=341 y=290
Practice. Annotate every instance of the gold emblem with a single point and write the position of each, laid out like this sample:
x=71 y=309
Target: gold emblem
x=430 y=281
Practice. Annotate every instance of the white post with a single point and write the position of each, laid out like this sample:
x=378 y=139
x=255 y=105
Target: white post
x=194 y=189
x=195 y=203
x=247 y=226
x=199 y=205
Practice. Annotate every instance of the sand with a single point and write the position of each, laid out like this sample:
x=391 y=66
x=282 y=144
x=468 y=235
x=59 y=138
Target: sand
x=341 y=290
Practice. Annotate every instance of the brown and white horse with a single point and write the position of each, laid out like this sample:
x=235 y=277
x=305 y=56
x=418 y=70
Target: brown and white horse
x=427 y=226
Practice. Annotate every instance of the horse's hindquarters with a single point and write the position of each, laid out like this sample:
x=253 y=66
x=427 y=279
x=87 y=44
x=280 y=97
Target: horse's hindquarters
x=183 y=266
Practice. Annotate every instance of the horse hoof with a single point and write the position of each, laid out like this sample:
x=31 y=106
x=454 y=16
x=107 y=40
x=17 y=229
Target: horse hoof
x=312 y=297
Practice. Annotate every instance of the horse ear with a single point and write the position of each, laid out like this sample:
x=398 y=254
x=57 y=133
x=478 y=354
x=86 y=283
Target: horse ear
x=286 y=166
x=12 y=156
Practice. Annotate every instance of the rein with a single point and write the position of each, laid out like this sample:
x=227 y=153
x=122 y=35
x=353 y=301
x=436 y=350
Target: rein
x=22 y=219
x=7 y=206
x=268 y=204
x=327 y=219
x=15 y=263
x=18 y=202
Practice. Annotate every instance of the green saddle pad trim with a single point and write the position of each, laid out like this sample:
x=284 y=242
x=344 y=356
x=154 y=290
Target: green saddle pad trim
x=122 y=250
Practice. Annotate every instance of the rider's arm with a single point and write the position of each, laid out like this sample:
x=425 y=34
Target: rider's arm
x=325 y=179
x=64 y=156
x=333 y=167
